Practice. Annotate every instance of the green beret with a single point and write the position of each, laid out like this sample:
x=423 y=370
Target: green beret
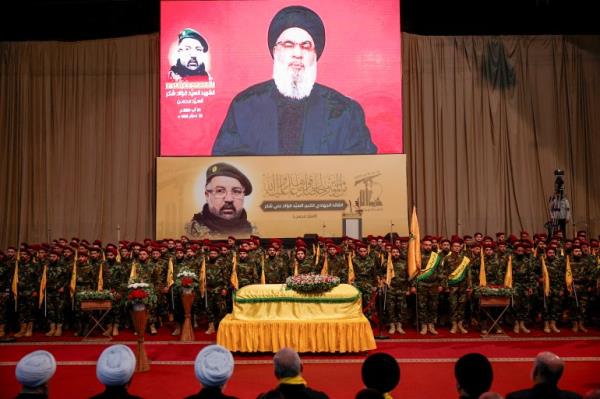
x=224 y=169
x=190 y=33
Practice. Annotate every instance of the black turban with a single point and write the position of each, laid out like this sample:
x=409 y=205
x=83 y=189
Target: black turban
x=298 y=17
x=381 y=372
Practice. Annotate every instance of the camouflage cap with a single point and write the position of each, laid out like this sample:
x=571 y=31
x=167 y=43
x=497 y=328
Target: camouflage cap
x=224 y=169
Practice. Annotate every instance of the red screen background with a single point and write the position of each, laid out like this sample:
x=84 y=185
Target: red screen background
x=361 y=60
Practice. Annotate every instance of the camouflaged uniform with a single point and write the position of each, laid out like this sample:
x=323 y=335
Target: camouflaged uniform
x=276 y=269
x=396 y=294
x=524 y=279
x=160 y=268
x=29 y=283
x=6 y=274
x=337 y=266
x=583 y=285
x=556 y=275
x=247 y=272
x=57 y=279
x=145 y=273
x=119 y=278
x=365 y=272
x=217 y=282
x=307 y=265
x=427 y=291
x=457 y=297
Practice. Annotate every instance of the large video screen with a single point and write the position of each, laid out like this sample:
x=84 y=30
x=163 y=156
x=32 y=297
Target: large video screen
x=308 y=77
x=214 y=197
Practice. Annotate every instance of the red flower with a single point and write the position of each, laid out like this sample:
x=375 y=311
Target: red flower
x=187 y=282
x=137 y=294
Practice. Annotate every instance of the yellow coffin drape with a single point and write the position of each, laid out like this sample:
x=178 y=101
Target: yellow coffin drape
x=269 y=317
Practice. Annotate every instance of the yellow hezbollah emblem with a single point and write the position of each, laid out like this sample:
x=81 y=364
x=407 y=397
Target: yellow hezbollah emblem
x=214 y=169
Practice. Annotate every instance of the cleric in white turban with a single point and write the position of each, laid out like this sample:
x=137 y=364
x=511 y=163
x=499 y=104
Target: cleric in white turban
x=114 y=369
x=213 y=368
x=33 y=372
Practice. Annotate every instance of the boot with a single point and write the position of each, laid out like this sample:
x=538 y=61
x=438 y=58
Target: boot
x=52 y=330
x=58 y=331
x=454 y=328
x=484 y=331
x=431 y=329
x=177 y=330
x=423 y=329
x=108 y=331
x=2 y=333
x=115 y=329
x=523 y=328
x=574 y=329
x=171 y=318
x=499 y=330
x=553 y=327
x=392 y=329
x=399 y=329
x=582 y=327
x=195 y=323
x=461 y=328
x=547 y=327
x=516 y=329
x=22 y=330
x=29 y=331
x=211 y=328
x=153 y=329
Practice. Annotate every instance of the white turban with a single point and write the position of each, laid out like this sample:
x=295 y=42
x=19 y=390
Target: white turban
x=35 y=369
x=116 y=365
x=213 y=366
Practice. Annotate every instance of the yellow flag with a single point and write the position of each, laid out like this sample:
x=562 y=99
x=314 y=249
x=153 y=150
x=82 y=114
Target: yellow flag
x=390 y=273
x=118 y=257
x=325 y=269
x=545 y=276
x=100 y=277
x=263 y=279
x=508 y=281
x=317 y=255
x=414 y=246
x=351 y=276
x=15 y=281
x=234 y=277
x=295 y=267
x=73 y=283
x=133 y=273
x=170 y=271
x=569 y=275
x=482 y=276
x=43 y=283
x=203 y=277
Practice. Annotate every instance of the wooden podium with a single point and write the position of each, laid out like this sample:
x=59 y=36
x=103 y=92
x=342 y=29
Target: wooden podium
x=352 y=224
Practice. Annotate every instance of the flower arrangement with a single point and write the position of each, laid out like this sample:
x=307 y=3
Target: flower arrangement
x=312 y=283
x=139 y=293
x=94 y=296
x=494 y=290
x=186 y=280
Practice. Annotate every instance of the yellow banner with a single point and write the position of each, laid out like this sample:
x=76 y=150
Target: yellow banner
x=275 y=196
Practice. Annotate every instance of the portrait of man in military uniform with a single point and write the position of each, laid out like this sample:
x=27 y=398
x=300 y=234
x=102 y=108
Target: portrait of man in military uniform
x=223 y=213
x=291 y=113
x=192 y=55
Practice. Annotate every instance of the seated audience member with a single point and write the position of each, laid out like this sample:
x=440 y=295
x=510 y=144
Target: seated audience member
x=213 y=368
x=114 y=369
x=490 y=395
x=369 y=393
x=474 y=375
x=381 y=372
x=288 y=370
x=547 y=370
x=34 y=371
x=593 y=394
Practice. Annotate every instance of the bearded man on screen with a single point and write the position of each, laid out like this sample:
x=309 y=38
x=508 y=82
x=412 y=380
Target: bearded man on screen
x=292 y=114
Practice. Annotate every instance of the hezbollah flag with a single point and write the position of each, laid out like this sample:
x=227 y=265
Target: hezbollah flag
x=390 y=274
x=133 y=273
x=325 y=269
x=482 y=276
x=508 y=278
x=317 y=253
x=43 y=283
x=203 y=277
x=545 y=276
x=351 y=276
x=15 y=282
x=170 y=271
x=100 y=277
x=73 y=283
x=414 y=246
x=569 y=275
x=234 y=277
x=263 y=279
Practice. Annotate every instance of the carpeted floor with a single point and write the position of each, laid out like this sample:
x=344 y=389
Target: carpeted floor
x=426 y=364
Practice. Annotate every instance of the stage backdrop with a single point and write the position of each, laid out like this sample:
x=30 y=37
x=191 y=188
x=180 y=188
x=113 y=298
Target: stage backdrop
x=361 y=59
x=289 y=200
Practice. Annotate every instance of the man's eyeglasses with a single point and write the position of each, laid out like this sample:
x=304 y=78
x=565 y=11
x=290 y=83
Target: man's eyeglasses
x=221 y=192
x=290 y=45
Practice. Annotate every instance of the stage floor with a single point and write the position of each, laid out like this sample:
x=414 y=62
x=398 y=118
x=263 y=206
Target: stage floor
x=426 y=364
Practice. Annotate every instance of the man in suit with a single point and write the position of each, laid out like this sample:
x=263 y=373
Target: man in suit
x=547 y=370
